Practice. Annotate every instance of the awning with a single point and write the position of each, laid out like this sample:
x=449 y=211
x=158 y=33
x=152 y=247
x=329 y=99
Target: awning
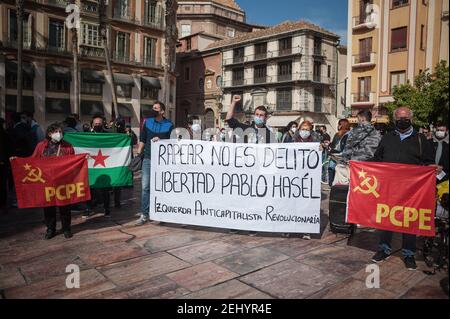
x=11 y=68
x=125 y=109
x=27 y=103
x=281 y=120
x=92 y=107
x=145 y=110
x=57 y=106
x=92 y=76
x=58 y=72
x=152 y=82
x=125 y=79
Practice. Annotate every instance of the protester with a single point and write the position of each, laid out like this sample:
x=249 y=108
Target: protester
x=323 y=133
x=70 y=125
x=258 y=130
x=129 y=132
x=404 y=145
x=21 y=136
x=155 y=128
x=78 y=126
x=291 y=130
x=98 y=127
x=336 y=147
x=119 y=127
x=5 y=154
x=425 y=130
x=440 y=148
x=54 y=146
x=86 y=128
x=36 y=131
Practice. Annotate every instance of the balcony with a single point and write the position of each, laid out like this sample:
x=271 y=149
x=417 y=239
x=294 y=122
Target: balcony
x=90 y=51
x=150 y=22
x=284 y=78
x=262 y=56
x=364 y=60
x=125 y=17
x=364 y=22
x=363 y=99
x=318 y=52
x=57 y=3
x=57 y=50
x=273 y=80
x=259 y=80
x=238 y=59
x=238 y=82
x=89 y=7
x=121 y=58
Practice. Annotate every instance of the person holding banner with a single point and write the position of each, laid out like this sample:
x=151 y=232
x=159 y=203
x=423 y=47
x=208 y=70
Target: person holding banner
x=405 y=146
x=54 y=146
x=155 y=127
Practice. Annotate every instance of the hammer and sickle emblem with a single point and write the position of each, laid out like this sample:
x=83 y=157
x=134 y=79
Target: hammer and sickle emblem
x=365 y=187
x=34 y=175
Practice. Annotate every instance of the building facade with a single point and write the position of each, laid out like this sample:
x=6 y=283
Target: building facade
x=389 y=43
x=140 y=50
x=290 y=68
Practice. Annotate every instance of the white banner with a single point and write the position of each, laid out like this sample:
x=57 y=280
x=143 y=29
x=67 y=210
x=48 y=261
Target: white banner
x=256 y=187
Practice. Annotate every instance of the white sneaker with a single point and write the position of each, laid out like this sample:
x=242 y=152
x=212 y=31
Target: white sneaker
x=141 y=221
x=306 y=237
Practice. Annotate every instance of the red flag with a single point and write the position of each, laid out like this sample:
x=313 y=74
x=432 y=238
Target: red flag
x=394 y=197
x=51 y=181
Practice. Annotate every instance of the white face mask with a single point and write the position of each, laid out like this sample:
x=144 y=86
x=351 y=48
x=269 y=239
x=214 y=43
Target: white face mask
x=57 y=137
x=196 y=127
x=440 y=134
x=304 y=134
x=293 y=129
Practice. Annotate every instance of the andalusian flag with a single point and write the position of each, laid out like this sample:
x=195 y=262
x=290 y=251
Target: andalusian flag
x=110 y=155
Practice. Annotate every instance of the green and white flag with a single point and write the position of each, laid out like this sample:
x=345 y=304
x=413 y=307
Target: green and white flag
x=110 y=155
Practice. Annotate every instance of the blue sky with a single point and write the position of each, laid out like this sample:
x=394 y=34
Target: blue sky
x=329 y=14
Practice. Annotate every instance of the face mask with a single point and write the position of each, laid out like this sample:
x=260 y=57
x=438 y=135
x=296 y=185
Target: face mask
x=196 y=127
x=153 y=113
x=294 y=129
x=403 y=124
x=57 y=137
x=222 y=136
x=258 y=121
x=98 y=128
x=304 y=134
x=440 y=134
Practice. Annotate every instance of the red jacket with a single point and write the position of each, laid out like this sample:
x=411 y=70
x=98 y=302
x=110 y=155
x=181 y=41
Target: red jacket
x=66 y=149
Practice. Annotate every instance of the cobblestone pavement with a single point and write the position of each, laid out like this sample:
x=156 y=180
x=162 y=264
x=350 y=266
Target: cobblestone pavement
x=118 y=260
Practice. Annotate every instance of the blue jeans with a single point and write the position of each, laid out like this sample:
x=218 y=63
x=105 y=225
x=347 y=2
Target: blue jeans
x=408 y=243
x=145 y=193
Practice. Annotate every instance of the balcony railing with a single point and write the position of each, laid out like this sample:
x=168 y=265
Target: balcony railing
x=363 y=98
x=301 y=77
x=89 y=7
x=319 y=52
x=57 y=49
x=361 y=22
x=125 y=16
x=364 y=60
x=121 y=58
x=90 y=51
x=263 y=56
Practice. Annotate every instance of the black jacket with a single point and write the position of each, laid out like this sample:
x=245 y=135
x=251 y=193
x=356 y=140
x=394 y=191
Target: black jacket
x=408 y=151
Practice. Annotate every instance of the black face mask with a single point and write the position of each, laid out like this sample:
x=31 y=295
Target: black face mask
x=153 y=113
x=403 y=124
x=98 y=128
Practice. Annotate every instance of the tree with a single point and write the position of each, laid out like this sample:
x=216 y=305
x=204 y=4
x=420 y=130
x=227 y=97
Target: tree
x=428 y=98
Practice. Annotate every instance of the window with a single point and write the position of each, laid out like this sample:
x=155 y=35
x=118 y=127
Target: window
x=149 y=51
x=91 y=35
x=285 y=71
x=399 y=3
x=260 y=73
x=284 y=99
x=238 y=76
x=149 y=93
x=261 y=50
x=58 y=85
x=285 y=46
x=398 y=39
x=56 y=34
x=238 y=55
x=397 y=78
x=364 y=13
x=317 y=46
x=122 y=8
x=11 y=81
x=124 y=90
x=317 y=71
x=318 y=97
x=364 y=87
x=422 y=35
x=365 y=48
x=187 y=73
x=231 y=32
x=188 y=44
x=91 y=88
x=185 y=30
x=26 y=28
x=150 y=12
x=219 y=81
x=123 y=46
x=201 y=84
x=329 y=71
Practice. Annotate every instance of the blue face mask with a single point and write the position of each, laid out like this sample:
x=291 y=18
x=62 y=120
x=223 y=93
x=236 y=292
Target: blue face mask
x=258 y=121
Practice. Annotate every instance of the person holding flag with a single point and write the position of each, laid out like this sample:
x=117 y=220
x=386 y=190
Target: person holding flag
x=54 y=146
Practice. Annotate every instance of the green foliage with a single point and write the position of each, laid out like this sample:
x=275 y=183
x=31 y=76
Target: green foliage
x=428 y=98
